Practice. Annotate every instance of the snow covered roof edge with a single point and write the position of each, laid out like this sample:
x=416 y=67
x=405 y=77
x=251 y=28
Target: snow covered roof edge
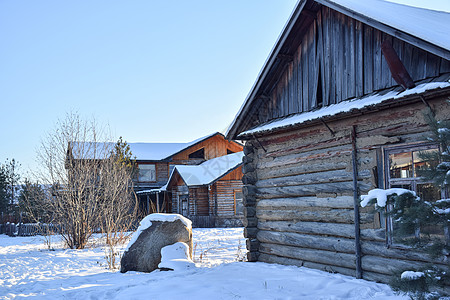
x=345 y=107
x=209 y=171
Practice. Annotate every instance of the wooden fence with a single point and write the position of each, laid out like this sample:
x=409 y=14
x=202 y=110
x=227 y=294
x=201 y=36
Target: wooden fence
x=29 y=229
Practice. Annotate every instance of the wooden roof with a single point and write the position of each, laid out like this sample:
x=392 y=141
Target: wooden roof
x=297 y=30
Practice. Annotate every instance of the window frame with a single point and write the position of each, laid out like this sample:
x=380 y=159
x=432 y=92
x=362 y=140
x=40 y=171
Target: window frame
x=412 y=181
x=139 y=172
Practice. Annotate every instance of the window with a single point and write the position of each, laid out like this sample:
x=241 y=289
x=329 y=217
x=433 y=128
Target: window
x=405 y=168
x=147 y=173
x=198 y=154
x=238 y=203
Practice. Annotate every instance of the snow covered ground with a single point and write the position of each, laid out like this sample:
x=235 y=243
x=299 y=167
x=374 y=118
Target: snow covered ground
x=28 y=270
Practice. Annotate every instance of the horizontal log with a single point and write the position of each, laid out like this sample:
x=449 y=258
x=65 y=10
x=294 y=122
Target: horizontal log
x=247 y=168
x=310 y=189
x=307 y=241
x=387 y=265
x=300 y=202
x=268 y=258
x=252 y=245
x=342 y=153
x=380 y=249
x=299 y=146
x=299 y=168
x=250 y=222
x=274 y=259
x=345 y=245
x=313 y=178
x=313 y=255
x=249 y=178
x=247 y=159
x=249 y=190
x=250 y=232
x=249 y=212
x=333 y=229
x=252 y=256
x=248 y=149
x=317 y=215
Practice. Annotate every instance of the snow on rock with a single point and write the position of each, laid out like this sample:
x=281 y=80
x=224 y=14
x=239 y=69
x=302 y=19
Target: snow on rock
x=411 y=275
x=147 y=222
x=170 y=218
x=381 y=195
x=176 y=257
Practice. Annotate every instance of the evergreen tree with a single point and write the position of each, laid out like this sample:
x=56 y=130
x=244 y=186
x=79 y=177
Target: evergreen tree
x=122 y=154
x=32 y=202
x=4 y=200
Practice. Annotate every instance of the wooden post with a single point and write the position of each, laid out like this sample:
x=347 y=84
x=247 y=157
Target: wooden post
x=148 y=205
x=157 y=202
x=356 y=205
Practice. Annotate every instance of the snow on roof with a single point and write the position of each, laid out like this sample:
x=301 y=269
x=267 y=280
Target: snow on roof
x=210 y=170
x=429 y=25
x=142 y=151
x=345 y=107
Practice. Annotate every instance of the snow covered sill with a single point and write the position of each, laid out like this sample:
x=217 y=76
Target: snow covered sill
x=344 y=107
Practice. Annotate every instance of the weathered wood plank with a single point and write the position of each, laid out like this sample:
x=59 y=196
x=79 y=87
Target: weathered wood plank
x=302 y=202
x=313 y=178
x=342 y=245
x=359 y=64
x=345 y=216
x=268 y=258
x=333 y=229
x=313 y=255
x=300 y=168
x=388 y=266
x=339 y=188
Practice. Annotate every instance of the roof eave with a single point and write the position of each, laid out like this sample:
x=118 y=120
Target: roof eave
x=344 y=115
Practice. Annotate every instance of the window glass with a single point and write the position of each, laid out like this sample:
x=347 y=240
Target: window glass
x=401 y=165
x=147 y=173
x=238 y=203
x=423 y=161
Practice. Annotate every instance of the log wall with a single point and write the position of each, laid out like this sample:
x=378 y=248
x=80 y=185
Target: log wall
x=298 y=192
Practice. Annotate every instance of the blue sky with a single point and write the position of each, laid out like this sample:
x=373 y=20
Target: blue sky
x=155 y=71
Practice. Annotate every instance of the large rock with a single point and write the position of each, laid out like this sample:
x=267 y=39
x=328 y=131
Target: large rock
x=156 y=231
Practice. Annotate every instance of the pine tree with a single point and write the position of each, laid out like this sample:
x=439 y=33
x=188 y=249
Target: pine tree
x=410 y=214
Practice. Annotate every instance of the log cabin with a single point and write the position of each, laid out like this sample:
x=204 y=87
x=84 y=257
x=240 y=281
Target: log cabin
x=209 y=194
x=337 y=110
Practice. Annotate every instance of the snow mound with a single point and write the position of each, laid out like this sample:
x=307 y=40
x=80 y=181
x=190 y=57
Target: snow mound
x=381 y=195
x=411 y=275
x=176 y=257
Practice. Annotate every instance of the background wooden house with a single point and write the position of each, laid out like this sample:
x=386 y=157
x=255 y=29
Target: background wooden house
x=210 y=194
x=337 y=110
x=155 y=162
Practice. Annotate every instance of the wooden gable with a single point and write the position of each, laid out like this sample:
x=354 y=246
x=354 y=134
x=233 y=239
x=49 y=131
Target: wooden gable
x=214 y=146
x=329 y=57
